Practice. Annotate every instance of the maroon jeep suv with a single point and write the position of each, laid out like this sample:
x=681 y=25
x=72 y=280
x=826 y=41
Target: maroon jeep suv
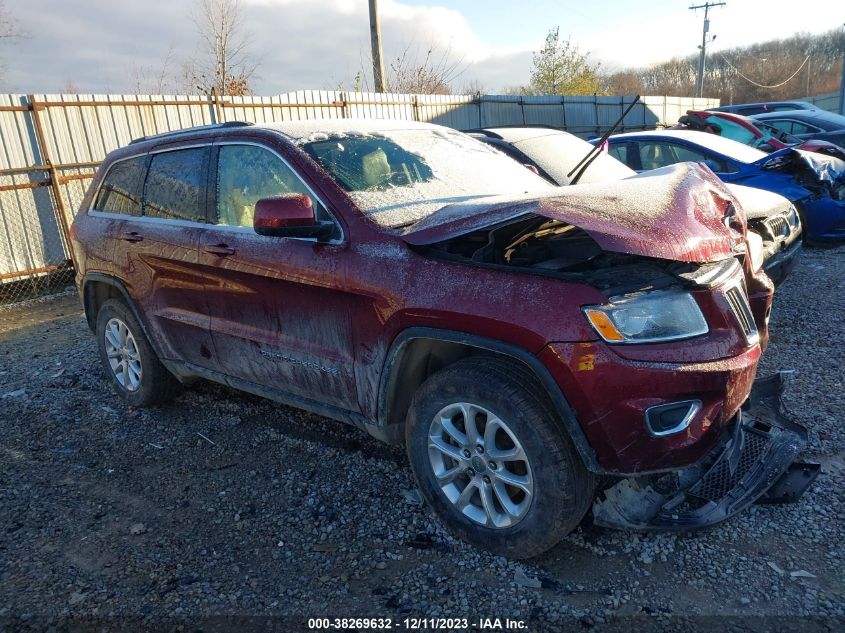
x=539 y=350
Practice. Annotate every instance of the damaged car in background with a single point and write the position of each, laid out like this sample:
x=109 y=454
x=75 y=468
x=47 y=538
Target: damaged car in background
x=752 y=132
x=814 y=183
x=539 y=350
x=557 y=156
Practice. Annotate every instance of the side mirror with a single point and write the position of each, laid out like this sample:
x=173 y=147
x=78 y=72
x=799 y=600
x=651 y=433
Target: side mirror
x=289 y=215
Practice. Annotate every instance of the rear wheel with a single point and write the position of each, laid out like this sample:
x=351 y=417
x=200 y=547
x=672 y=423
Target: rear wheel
x=492 y=460
x=132 y=366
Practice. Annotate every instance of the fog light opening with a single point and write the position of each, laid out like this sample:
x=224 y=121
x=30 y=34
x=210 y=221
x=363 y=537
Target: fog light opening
x=672 y=417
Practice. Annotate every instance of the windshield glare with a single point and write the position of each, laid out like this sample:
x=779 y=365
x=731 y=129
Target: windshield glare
x=399 y=177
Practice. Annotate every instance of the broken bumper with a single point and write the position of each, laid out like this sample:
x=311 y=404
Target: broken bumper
x=756 y=462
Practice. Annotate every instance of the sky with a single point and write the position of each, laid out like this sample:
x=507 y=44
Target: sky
x=101 y=46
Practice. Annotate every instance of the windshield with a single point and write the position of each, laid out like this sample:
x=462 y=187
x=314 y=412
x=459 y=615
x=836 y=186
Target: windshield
x=557 y=153
x=402 y=176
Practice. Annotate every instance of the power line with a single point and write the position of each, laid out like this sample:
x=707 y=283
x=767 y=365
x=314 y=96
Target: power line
x=751 y=81
x=699 y=84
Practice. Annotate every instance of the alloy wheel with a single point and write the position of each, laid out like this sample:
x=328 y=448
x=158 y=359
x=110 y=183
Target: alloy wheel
x=123 y=356
x=480 y=465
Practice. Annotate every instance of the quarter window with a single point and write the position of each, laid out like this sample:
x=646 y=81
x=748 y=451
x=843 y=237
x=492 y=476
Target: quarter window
x=175 y=185
x=248 y=173
x=122 y=187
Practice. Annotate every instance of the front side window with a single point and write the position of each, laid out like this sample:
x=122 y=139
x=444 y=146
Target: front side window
x=248 y=173
x=122 y=187
x=174 y=188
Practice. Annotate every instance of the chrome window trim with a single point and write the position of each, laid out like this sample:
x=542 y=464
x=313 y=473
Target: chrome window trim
x=295 y=172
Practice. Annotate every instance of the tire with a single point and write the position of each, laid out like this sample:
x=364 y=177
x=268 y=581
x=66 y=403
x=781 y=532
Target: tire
x=140 y=378
x=508 y=396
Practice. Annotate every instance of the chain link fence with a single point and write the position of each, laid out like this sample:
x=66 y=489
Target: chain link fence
x=34 y=256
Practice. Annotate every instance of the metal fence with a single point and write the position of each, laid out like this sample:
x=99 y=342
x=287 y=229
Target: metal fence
x=52 y=144
x=826 y=101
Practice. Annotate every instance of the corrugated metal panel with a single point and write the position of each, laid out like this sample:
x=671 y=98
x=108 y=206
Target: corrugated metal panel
x=84 y=128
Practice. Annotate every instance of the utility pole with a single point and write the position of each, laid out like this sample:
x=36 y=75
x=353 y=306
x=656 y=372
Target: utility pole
x=375 y=40
x=699 y=84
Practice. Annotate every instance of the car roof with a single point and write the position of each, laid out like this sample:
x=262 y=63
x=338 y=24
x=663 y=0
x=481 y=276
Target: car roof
x=808 y=116
x=802 y=105
x=713 y=142
x=296 y=131
x=519 y=133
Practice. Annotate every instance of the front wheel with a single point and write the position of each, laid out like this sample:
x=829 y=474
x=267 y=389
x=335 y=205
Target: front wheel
x=492 y=459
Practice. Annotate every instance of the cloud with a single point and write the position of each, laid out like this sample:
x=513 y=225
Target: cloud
x=298 y=44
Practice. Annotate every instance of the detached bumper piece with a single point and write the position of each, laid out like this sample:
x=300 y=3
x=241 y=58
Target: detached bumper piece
x=756 y=464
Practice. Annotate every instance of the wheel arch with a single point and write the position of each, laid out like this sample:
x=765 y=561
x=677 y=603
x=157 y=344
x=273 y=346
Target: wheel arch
x=97 y=288
x=418 y=352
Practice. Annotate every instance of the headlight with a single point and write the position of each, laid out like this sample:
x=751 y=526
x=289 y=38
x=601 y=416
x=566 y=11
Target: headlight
x=648 y=317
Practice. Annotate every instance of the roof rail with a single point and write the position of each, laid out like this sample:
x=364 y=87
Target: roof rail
x=188 y=130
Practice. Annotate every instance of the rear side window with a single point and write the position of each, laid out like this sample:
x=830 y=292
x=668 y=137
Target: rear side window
x=122 y=187
x=175 y=185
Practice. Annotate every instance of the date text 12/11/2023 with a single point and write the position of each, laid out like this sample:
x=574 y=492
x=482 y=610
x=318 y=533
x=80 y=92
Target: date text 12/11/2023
x=418 y=624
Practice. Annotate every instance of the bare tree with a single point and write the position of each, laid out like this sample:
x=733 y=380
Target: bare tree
x=431 y=73
x=225 y=65
x=155 y=79
x=473 y=87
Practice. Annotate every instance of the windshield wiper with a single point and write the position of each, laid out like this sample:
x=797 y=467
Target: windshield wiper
x=585 y=162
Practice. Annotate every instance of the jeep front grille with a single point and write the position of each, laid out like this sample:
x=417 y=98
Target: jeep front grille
x=741 y=310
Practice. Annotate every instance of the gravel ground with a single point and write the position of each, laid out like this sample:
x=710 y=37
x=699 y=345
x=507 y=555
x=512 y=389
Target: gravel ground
x=224 y=503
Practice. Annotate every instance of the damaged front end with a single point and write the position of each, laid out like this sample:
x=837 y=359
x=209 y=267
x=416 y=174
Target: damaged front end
x=755 y=463
x=823 y=177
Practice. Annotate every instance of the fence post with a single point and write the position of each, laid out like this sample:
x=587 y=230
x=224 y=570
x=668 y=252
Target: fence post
x=218 y=109
x=563 y=108
x=60 y=210
x=416 y=106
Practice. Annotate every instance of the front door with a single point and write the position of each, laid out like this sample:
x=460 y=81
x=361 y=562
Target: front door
x=278 y=316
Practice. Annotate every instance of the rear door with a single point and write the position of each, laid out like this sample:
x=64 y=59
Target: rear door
x=118 y=199
x=279 y=316
x=156 y=254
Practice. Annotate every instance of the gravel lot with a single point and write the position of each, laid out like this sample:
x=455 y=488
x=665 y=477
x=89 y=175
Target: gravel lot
x=224 y=503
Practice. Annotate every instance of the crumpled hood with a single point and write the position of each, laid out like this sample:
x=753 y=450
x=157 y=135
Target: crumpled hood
x=827 y=168
x=682 y=212
x=759 y=203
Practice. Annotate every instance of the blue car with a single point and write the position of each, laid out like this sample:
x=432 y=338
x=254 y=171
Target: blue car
x=813 y=182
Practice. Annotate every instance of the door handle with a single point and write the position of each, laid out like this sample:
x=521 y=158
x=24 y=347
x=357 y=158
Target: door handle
x=219 y=249
x=131 y=236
